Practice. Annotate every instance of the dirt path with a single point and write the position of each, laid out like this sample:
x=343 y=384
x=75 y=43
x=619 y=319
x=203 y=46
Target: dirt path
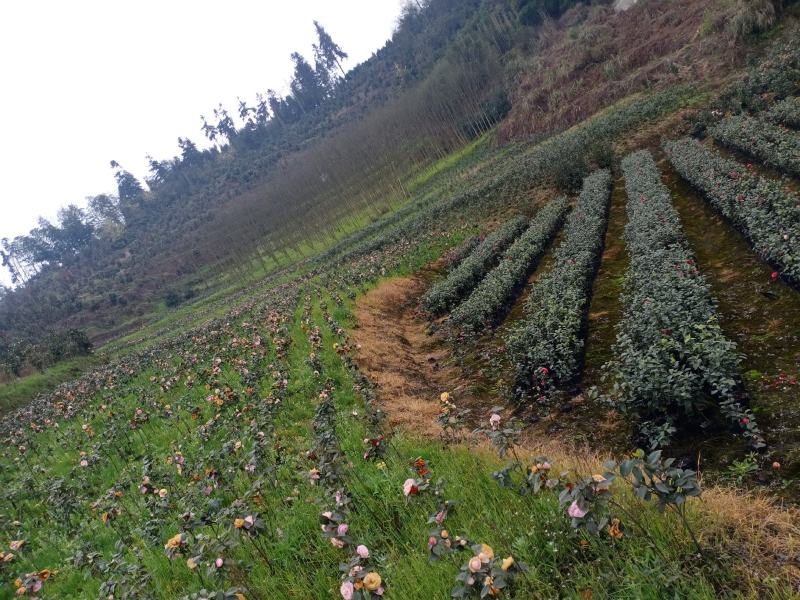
x=396 y=353
x=412 y=368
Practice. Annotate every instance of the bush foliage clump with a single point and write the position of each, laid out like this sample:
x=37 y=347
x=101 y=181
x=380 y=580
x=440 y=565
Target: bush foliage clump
x=672 y=360
x=498 y=287
x=447 y=293
x=546 y=347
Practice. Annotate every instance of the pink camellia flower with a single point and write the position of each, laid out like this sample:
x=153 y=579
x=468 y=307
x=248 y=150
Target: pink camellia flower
x=745 y=420
x=475 y=564
x=337 y=542
x=546 y=466
x=249 y=521
x=410 y=487
x=575 y=511
x=379 y=591
x=494 y=421
x=439 y=518
x=775 y=275
x=346 y=590
x=327 y=514
x=362 y=551
x=218 y=563
x=84 y=462
x=431 y=541
x=342 y=529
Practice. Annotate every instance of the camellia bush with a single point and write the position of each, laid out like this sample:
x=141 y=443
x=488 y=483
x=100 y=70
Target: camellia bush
x=498 y=287
x=762 y=209
x=774 y=145
x=458 y=254
x=786 y=112
x=461 y=280
x=672 y=361
x=546 y=347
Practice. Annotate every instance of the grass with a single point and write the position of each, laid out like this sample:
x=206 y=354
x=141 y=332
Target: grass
x=447 y=162
x=23 y=389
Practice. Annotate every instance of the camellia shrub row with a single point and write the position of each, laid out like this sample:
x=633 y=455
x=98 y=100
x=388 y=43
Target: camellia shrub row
x=774 y=145
x=766 y=213
x=498 y=287
x=546 y=347
x=458 y=254
x=672 y=360
x=786 y=112
x=462 y=280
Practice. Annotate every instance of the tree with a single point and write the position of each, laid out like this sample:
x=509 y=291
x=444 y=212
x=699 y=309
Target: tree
x=208 y=130
x=105 y=216
x=189 y=152
x=74 y=233
x=159 y=170
x=276 y=106
x=225 y=125
x=305 y=86
x=247 y=114
x=327 y=55
x=129 y=190
x=11 y=261
x=262 y=110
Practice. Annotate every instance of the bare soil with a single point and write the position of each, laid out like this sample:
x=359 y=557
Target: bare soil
x=410 y=367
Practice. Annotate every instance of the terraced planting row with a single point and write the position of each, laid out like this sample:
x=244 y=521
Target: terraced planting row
x=774 y=145
x=498 y=288
x=762 y=209
x=546 y=347
x=673 y=364
x=463 y=279
x=786 y=112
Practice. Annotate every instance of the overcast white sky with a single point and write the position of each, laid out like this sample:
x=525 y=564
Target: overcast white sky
x=87 y=81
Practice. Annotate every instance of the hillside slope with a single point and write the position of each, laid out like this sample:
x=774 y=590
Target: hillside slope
x=275 y=191
x=604 y=407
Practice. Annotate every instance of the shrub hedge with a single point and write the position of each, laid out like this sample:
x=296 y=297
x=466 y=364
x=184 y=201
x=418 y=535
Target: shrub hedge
x=546 y=347
x=672 y=361
x=445 y=294
x=773 y=145
x=498 y=288
x=762 y=209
